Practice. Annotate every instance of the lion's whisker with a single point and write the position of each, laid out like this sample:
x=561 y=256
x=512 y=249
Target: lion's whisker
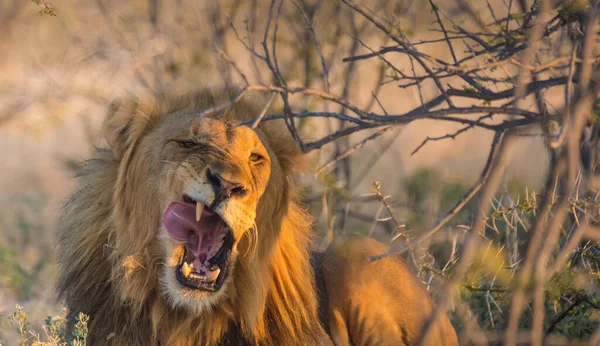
x=252 y=241
x=172 y=162
x=170 y=170
x=158 y=176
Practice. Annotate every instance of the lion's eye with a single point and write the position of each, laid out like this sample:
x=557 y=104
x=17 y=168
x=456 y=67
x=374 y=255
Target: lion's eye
x=187 y=144
x=256 y=158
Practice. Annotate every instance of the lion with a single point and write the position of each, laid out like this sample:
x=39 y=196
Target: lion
x=189 y=230
x=377 y=303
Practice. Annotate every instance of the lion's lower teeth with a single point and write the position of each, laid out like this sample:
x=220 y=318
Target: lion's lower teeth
x=186 y=269
x=212 y=274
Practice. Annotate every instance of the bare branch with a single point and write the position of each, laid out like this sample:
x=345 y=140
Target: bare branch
x=492 y=156
x=356 y=147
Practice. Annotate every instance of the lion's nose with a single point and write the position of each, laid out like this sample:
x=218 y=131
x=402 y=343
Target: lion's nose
x=223 y=188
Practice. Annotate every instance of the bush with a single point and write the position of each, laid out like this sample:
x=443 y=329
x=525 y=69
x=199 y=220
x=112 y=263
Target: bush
x=54 y=330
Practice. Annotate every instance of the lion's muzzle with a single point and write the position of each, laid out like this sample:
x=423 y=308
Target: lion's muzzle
x=223 y=188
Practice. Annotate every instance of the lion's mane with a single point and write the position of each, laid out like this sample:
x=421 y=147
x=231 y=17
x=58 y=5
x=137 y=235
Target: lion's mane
x=110 y=258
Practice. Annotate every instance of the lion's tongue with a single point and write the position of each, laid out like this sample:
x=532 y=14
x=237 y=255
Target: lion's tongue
x=203 y=238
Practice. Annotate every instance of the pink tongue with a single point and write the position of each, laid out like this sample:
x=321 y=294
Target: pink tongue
x=200 y=237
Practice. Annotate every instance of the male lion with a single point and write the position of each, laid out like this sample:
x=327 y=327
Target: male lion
x=188 y=231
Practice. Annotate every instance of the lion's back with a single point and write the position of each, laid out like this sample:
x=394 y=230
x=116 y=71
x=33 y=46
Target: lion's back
x=377 y=303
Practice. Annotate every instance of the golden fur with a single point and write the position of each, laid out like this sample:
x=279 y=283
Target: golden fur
x=377 y=303
x=115 y=260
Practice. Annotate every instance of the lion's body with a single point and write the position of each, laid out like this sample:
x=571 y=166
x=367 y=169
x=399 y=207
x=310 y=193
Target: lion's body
x=115 y=264
x=376 y=303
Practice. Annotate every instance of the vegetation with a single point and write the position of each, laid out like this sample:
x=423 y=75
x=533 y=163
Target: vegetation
x=54 y=333
x=572 y=304
x=512 y=261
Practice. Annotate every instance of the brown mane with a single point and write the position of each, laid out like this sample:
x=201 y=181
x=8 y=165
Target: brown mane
x=110 y=259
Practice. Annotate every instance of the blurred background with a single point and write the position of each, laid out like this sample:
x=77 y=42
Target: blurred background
x=62 y=63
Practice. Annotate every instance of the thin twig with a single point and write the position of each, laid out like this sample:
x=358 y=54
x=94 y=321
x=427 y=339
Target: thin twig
x=264 y=110
x=354 y=148
x=458 y=206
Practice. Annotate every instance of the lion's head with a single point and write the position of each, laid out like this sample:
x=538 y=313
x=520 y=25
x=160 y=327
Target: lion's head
x=214 y=174
x=198 y=218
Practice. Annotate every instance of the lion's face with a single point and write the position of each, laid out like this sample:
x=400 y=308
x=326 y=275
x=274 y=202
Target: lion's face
x=210 y=176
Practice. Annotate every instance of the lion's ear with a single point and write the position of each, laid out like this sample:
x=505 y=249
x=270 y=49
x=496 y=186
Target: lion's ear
x=117 y=126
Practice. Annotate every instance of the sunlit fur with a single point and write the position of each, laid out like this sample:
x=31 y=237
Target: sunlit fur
x=112 y=255
x=380 y=302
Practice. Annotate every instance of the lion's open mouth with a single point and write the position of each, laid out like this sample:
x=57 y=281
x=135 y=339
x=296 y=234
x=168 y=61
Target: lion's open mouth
x=208 y=242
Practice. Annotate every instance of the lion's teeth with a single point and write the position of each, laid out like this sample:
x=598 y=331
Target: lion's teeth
x=186 y=269
x=199 y=209
x=212 y=274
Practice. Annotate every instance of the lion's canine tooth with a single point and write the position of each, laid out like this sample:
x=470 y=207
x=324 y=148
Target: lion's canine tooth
x=186 y=270
x=212 y=275
x=199 y=209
